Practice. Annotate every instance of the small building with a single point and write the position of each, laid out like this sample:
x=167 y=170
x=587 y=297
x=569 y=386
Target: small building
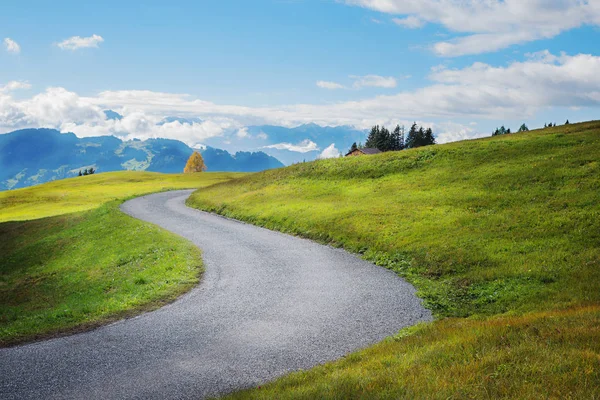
x=363 y=152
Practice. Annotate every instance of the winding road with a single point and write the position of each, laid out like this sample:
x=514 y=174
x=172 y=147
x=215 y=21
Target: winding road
x=268 y=304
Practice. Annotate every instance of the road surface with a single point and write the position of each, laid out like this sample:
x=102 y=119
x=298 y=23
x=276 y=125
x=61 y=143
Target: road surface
x=268 y=304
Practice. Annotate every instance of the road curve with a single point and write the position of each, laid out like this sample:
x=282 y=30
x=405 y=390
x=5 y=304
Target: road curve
x=268 y=304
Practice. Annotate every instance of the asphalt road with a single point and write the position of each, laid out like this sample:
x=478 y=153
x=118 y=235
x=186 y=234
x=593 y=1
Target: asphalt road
x=268 y=304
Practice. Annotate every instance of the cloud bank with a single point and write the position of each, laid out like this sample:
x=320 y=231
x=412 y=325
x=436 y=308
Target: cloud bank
x=489 y=25
x=479 y=91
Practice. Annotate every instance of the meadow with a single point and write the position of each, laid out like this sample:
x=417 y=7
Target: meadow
x=501 y=237
x=72 y=261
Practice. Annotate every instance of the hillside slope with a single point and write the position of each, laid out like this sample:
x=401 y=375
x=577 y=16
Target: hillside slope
x=66 y=269
x=504 y=231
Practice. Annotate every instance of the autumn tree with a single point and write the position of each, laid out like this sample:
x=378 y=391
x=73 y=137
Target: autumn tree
x=194 y=164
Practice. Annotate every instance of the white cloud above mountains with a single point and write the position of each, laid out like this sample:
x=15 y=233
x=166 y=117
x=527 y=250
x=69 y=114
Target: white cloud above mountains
x=304 y=146
x=330 y=152
x=78 y=42
x=489 y=25
x=480 y=91
x=12 y=46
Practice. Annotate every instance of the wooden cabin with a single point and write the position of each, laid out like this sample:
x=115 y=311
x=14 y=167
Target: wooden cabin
x=363 y=152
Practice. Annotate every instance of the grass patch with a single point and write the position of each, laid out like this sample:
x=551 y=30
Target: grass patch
x=74 y=271
x=482 y=228
x=534 y=356
x=87 y=192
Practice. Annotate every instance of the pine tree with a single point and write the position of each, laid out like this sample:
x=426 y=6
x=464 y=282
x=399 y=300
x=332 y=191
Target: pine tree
x=383 y=140
x=523 y=128
x=372 y=138
x=429 y=138
x=411 y=138
x=353 y=147
x=80 y=174
x=398 y=138
x=567 y=123
x=194 y=164
x=420 y=137
x=91 y=171
x=85 y=172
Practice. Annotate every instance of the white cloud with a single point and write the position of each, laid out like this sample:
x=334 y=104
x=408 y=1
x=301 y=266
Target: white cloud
x=68 y=112
x=14 y=85
x=78 y=42
x=329 y=85
x=373 y=81
x=329 y=152
x=12 y=46
x=362 y=82
x=304 y=146
x=262 y=136
x=410 y=22
x=480 y=91
x=242 y=133
x=490 y=25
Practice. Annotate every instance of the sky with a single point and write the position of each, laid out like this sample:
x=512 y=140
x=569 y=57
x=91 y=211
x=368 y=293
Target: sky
x=463 y=67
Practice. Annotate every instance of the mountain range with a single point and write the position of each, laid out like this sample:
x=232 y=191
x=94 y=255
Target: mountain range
x=32 y=156
x=291 y=145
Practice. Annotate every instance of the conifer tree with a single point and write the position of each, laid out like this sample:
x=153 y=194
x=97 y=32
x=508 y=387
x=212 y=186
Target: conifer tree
x=567 y=123
x=429 y=139
x=194 y=164
x=398 y=138
x=372 y=138
x=353 y=147
x=523 y=128
x=411 y=138
x=383 y=140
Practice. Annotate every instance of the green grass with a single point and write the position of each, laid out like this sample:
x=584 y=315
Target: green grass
x=88 y=192
x=77 y=270
x=489 y=231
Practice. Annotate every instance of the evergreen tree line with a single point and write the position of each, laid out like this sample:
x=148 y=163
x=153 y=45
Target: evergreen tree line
x=384 y=140
x=87 y=171
x=504 y=131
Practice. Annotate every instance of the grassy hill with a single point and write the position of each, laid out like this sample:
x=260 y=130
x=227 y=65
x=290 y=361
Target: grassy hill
x=501 y=237
x=79 y=262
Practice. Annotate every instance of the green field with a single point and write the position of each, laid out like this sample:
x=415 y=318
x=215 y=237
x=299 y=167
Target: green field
x=88 y=192
x=501 y=237
x=66 y=270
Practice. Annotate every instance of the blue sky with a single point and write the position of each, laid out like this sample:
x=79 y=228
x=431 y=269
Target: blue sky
x=469 y=65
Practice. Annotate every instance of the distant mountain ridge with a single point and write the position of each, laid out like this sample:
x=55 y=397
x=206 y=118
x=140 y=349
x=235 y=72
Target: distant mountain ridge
x=32 y=156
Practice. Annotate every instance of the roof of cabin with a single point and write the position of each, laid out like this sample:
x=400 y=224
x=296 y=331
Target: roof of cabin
x=366 y=150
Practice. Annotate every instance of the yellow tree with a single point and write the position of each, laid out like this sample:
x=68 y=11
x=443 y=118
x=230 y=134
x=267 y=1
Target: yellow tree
x=194 y=164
